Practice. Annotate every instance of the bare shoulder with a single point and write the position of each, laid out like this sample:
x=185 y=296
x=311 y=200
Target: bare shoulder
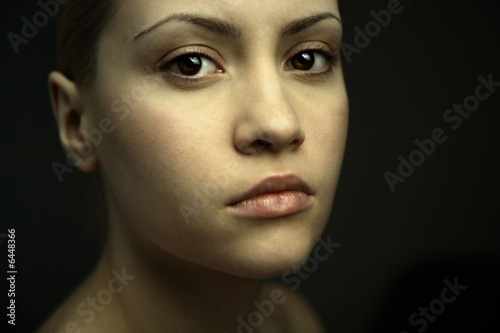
x=301 y=316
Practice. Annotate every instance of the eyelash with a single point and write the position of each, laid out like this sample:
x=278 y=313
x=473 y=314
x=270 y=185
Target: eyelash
x=332 y=59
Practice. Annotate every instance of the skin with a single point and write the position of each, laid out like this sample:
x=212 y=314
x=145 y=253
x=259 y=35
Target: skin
x=197 y=267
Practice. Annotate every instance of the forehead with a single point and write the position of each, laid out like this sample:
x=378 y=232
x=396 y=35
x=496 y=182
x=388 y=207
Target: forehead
x=133 y=16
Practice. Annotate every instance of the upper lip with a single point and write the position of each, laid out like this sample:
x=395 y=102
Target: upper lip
x=273 y=184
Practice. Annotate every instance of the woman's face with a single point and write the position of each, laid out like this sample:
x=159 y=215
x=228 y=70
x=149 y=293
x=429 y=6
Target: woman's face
x=198 y=101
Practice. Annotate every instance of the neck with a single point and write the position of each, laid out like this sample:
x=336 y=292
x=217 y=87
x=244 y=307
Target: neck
x=165 y=293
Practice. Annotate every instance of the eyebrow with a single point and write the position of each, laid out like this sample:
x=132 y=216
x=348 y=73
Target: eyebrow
x=299 y=25
x=229 y=30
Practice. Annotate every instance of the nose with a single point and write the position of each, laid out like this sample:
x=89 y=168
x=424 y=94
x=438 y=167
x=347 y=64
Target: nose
x=267 y=120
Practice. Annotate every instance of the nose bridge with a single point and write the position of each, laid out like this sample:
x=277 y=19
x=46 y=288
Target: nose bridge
x=264 y=80
x=261 y=77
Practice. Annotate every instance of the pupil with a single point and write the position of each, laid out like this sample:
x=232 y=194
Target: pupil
x=190 y=65
x=304 y=61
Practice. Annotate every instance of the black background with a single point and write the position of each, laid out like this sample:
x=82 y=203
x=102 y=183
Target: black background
x=396 y=248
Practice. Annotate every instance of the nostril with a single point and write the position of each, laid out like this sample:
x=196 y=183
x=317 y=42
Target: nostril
x=260 y=143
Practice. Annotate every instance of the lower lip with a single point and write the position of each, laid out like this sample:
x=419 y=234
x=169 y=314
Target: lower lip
x=272 y=205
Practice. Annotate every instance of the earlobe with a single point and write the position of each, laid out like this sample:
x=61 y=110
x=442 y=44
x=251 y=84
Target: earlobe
x=68 y=110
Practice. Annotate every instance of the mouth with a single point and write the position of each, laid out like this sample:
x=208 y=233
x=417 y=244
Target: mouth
x=275 y=196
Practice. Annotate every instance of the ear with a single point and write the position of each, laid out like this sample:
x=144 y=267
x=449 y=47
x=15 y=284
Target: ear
x=67 y=108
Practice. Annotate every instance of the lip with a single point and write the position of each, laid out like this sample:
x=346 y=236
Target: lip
x=274 y=196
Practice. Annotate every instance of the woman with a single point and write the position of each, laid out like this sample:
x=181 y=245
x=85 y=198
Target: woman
x=218 y=130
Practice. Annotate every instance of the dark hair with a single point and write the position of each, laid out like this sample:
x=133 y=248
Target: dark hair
x=79 y=27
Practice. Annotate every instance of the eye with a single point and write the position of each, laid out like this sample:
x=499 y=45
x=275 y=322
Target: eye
x=193 y=65
x=310 y=61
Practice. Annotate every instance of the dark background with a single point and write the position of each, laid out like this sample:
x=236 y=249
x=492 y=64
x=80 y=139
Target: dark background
x=396 y=248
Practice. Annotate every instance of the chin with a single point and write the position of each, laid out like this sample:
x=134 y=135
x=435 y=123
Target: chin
x=273 y=256
x=264 y=268
x=254 y=249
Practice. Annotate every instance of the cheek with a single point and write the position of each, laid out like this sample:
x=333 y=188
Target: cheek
x=158 y=158
x=326 y=124
x=137 y=148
